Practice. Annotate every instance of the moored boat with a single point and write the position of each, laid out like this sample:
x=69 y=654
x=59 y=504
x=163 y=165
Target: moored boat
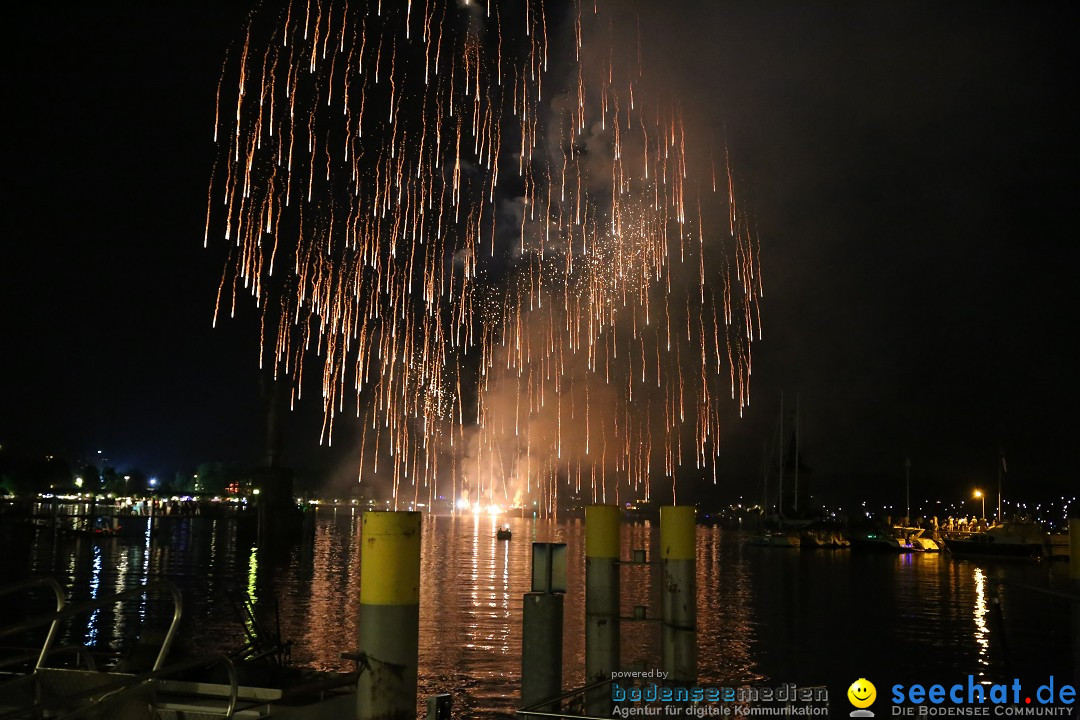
x=1010 y=539
x=823 y=539
x=776 y=539
x=1058 y=546
x=917 y=539
x=881 y=540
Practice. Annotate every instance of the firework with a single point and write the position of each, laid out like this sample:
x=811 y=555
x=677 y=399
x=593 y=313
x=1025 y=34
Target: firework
x=483 y=229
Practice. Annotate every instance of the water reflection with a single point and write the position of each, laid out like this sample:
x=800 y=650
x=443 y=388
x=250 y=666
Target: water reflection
x=982 y=632
x=95 y=585
x=765 y=615
x=253 y=571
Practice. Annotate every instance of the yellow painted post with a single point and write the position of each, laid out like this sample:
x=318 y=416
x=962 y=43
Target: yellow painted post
x=389 y=615
x=601 y=601
x=678 y=636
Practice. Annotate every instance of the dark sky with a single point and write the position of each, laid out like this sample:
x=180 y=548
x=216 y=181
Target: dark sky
x=912 y=169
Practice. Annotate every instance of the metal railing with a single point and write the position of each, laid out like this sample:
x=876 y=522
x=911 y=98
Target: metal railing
x=121 y=684
x=54 y=619
x=63 y=612
x=537 y=709
x=115 y=689
x=1073 y=598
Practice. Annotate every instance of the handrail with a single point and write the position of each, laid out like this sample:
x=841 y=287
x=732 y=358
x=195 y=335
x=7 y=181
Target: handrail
x=53 y=585
x=564 y=715
x=1035 y=588
x=80 y=650
x=534 y=709
x=72 y=610
x=568 y=694
x=120 y=685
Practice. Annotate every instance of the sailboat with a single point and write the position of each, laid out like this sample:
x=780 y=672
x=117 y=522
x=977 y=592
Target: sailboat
x=784 y=531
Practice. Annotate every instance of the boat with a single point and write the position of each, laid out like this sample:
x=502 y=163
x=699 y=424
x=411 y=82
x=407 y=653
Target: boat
x=55 y=681
x=503 y=533
x=888 y=540
x=1009 y=539
x=918 y=540
x=780 y=530
x=776 y=539
x=1058 y=547
x=823 y=539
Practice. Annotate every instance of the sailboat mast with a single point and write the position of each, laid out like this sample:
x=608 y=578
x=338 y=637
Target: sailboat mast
x=907 y=487
x=1001 y=466
x=780 y=497
x=764 y=476
x=796 y=452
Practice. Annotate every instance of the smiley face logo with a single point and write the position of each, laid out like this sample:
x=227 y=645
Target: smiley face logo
x=862 y=693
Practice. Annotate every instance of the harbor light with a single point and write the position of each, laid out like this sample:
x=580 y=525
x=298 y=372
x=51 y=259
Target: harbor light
x=979 y=494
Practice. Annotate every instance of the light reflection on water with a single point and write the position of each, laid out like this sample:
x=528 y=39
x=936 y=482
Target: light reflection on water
x=982 y=632
x=765 y=615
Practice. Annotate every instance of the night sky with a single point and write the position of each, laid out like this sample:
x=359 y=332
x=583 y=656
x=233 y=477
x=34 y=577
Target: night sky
x=911 y=168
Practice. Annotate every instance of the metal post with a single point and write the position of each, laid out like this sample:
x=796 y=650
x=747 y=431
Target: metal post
x=440 y=707
x=678 y=528
x=601 y=602
x=389 y=615
x=541 y=648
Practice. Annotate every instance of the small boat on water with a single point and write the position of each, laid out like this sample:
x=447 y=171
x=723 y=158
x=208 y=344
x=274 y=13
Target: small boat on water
x=776 y=539
x=899 y=539
x=1009 y=539
x=503 y=533
x=887 y=540
x=823 y=539
x=918 y=540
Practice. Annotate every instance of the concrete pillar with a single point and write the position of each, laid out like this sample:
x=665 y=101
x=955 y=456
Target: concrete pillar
x=541 y=648
x=601 y=602
x=389 y=615
x=678 y=636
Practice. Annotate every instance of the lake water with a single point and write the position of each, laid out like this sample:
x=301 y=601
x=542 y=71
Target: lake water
x=765 y=615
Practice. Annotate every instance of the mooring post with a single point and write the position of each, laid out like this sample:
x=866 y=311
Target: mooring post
x=601 y=602
x=678 y=635
x=439 y=707
x=542 y=627
x=541 y=648
x=389 y=615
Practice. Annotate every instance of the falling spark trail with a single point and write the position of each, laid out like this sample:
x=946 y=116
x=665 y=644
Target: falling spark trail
x=591 y=322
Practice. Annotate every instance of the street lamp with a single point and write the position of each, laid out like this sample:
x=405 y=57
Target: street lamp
x=979 y=494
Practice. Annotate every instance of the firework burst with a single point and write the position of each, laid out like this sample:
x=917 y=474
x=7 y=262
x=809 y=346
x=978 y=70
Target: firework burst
x=486 y=232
